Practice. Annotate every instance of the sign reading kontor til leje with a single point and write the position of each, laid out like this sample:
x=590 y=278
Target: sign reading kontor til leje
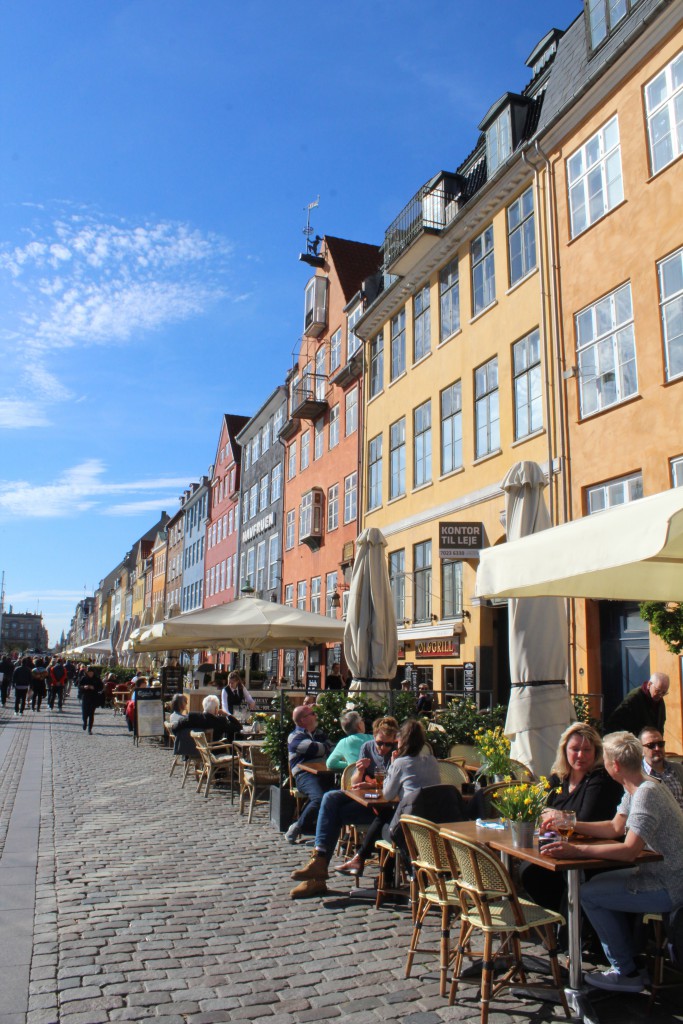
x=460 y=540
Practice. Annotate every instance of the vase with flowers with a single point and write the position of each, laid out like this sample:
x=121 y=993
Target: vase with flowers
x=494 y=748
x=522 y=804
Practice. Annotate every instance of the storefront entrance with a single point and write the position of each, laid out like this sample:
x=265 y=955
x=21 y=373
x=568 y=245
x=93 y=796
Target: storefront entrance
x=624 y=652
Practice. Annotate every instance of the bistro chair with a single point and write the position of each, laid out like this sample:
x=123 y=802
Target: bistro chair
x=216 y=760
x=296 y=794
x=521 y=773
x=433 y=887
x=258 y=775
x=452 y=774
x=489 y=904
x=471 y=754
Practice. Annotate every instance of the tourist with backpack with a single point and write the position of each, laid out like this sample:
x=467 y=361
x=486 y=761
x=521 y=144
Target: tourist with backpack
x=56 y=684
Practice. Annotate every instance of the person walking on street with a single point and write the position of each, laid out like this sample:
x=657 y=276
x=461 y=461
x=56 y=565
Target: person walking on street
x=56 y=684
x=6 y=673
x=21 y=681
x=38 y=684
x=90 y=691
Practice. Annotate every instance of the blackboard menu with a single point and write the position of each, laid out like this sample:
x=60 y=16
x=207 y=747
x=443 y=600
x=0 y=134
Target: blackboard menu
x=171 y=680
x=149 y=713
x=312 y=682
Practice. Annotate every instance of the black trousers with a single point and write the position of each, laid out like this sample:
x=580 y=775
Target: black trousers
x=20 y=696
x=88 y=710
x=58 y=693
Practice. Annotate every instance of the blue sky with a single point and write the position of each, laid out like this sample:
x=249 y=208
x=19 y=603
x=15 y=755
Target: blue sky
x=156 y=159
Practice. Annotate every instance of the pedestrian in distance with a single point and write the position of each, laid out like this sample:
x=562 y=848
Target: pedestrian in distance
x=56 y=684
x=38 y=684
x=90 y=692
x=21 y=681
x=6 y=673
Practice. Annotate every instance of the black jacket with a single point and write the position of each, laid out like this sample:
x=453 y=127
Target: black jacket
x=222 y=726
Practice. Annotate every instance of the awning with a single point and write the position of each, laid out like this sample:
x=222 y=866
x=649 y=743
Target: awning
x=633 y=552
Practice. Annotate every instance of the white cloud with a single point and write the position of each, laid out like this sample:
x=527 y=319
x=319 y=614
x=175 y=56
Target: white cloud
x=134 y=508
x=81 y=488
x=82 y=280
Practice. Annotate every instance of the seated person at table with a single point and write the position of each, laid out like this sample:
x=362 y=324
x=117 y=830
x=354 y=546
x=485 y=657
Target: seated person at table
x=306 y=743
x=585 y=788
x=657 y=767
x=347 y=750
x=178 y=709
x=650 y=818
x=223 y=727
x=339 y=809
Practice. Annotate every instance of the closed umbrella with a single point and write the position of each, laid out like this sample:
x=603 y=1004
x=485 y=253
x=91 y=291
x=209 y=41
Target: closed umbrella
x=370 y=636
x=540 y=708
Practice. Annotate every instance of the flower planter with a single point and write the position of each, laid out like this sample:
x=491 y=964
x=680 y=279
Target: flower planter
x=522 y=833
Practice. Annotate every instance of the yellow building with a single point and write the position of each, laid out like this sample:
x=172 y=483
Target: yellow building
x=616 y=182
x=459 y=386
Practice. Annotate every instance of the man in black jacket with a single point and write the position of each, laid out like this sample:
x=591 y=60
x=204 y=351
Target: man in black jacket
x=21 y=681
x=222 y=725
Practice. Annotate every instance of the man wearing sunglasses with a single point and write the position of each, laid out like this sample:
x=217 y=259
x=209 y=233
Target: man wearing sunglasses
x=656 y=765
x=306 y=743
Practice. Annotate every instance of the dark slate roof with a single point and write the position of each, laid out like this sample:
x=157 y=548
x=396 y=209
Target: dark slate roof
x=234 y=424
x=353 y=262
x=574 y=69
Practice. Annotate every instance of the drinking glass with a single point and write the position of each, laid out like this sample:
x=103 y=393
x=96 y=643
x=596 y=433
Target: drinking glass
x=565 y=823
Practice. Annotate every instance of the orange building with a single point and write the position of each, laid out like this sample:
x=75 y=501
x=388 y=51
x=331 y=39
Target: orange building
x=322 y=442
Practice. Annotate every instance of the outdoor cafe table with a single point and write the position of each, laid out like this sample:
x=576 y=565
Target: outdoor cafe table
x=501 y=840
x=315 y=768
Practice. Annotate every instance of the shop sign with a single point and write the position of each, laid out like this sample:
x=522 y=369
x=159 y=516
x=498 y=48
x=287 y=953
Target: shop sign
x=401 y=651
x=469 y=678
x=460 y=540
x=448 y=647
x=312 y=682
x=260 y=526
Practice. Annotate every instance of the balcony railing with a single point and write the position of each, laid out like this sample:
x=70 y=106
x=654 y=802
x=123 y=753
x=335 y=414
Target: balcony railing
x=309 y=397
x=429 y=211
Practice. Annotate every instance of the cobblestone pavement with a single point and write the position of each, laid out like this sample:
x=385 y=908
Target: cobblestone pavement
x=145 y=901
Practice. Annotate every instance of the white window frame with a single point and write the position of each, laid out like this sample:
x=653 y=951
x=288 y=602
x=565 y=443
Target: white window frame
x=670 y=277
x=301 y=595
x=397 y=458
x=351 y=497
x=291 y=461
x=263 y=497
x=375 y=472
x=333 y=439
x=662 y=94
x=498 y=141
x=618 y=491
x=276 y=483
x=397 y=582
x=397 y=359
x=422 y=444
x=422 y=324
x=449 y=299
x=450 y=405
x=486 y=408
x=521 y=221
x=320 y=377
x=318 y=438
x=376 y=375
x=305 y=449
x=594 y=178
x=330 y=591
x=289 y=595
x=273 y=560
x=351 y=412
x=316 y=590
x=606 y=352
x=676 y=469
x=422 y=581
x=290 y=529
x=353 y=342
x=260 y=584
x=527 y=385
x=482 y=255
x=332 y=507
x=451 y=588
x=335 y=350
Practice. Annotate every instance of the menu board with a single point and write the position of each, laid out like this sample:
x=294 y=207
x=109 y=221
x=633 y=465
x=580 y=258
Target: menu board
x=149 y=713
x=171 y=680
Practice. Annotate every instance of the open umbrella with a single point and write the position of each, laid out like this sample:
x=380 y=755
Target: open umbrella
x=370 y=636
x=540 y=708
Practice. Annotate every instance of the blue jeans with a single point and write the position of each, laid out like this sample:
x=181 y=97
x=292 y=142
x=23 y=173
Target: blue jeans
x=310 y=786
x=608 y=904
x=338 y=810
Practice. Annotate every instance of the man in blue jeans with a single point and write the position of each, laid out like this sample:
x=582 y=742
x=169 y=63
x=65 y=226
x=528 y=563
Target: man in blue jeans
x=306 y=743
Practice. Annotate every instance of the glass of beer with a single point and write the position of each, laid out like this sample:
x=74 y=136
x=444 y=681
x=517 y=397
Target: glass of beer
x=565 y=823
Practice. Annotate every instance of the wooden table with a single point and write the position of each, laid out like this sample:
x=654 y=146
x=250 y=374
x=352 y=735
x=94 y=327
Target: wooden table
x=501 y=840
x=315 y=768
x=360 y=796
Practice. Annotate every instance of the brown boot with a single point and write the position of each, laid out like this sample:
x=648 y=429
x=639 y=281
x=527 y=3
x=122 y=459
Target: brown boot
x=316 y=870
x=311 y=887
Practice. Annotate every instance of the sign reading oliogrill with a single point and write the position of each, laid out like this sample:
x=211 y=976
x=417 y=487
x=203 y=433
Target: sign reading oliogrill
x=460 y=540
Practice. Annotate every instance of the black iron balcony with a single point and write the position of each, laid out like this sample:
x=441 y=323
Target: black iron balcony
x=426 y=215
x=308 y=397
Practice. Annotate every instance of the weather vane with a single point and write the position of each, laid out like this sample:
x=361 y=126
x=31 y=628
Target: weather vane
x=312 y=244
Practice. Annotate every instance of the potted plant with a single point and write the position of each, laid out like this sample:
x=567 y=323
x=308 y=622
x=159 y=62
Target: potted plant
x=522 y=805
x=494 y=747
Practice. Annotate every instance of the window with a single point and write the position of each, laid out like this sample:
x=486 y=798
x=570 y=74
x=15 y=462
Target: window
x=228 y=581
x=594 y=178
x=483 y=271
x=320 y=380
x=278 y=420
x=335 y=351
x=351 y=498
x=255 y=448
x=664 y=109
x=422 y=582
x=333 y=507
x=351 y=411
x=521 y=236
x=376 y=364
x=318 y=438
x=451 y=428
x=375 y=472
x=604 y=16
x=676 y=471
x=305 y=449
x=301 y=595
x=263 y=492
x=330 y=591
x=276 y=483
x=670 y=272
x=498 y=142
x=614 y=492
x=261 y=566
x=306 y=515
x=273 y=561
x=291 y=461
x=449 y=296
x=289 y=595
x=397 y=580
x=486 y=411
x=352 y=341
x=316 y=583
x=253 y=500
x=397 y=458
x=422 y=444
x=422 y=341
x=451 y=589
x=606 y=352
x=265 y=436
x=334 y=426
x=398 y=345
x=526 y=368
x=290 y=528
x=245 y=456
x=251 y=566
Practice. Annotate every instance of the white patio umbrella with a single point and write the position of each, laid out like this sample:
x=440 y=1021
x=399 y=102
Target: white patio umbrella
x=370 y=636
x=633 y=552
x=540 y=708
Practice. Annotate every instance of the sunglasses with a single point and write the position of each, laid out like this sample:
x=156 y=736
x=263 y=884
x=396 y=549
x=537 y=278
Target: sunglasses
x=384 y=743
x=655 y=745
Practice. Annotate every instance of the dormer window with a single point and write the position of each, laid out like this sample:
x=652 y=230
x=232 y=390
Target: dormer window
x=315 y=307
x=352 y=339
x=498 y=141
x=603 y=16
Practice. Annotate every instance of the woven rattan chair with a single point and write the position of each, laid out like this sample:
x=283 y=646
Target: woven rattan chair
x=489 y=904
x=258 y=775
x=434 y=888
x=216 y=760
x=452 y=774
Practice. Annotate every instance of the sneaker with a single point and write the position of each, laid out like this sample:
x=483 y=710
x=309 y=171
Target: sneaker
x=615 y=982
x=311 y=887
x=292 y=834
x=316 y=870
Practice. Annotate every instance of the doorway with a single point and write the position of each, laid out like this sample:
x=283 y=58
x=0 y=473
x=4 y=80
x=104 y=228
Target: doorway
x=624 y=651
